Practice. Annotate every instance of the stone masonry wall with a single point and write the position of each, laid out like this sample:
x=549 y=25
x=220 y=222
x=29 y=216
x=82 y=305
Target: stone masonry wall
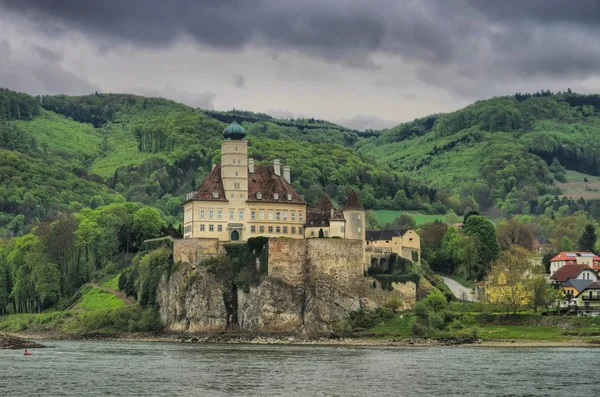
x=195 y=250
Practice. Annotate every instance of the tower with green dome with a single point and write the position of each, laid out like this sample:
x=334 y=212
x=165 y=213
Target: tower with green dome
x=234 y=131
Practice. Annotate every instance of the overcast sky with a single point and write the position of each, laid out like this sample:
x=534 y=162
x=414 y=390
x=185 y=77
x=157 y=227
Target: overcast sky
x=364 y=64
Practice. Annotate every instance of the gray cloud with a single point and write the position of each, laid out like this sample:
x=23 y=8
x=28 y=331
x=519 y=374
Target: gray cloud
x=47 y=53
x=239 y=81
x=470 y=48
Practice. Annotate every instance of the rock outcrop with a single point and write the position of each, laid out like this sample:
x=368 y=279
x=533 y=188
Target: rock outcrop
x=193 y=300
x=13 y=342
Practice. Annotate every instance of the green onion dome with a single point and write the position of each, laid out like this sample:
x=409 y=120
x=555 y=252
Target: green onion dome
x=234 y=131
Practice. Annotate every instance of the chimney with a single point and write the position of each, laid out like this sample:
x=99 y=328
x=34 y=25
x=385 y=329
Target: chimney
x=277 y=167
x=213 y=167
x=286 y=174
x=251 y=166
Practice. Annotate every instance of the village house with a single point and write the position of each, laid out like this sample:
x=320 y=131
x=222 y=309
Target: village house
x=588 y=300
x=575 y=272
x=574 y=258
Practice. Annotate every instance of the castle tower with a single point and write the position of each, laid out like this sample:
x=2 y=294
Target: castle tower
x=354 y=213
x=234 y=164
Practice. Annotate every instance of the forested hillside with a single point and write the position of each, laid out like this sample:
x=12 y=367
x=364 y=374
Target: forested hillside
x=517 y=154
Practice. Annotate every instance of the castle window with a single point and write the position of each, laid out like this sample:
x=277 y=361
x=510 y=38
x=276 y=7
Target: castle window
x=219 y=228
x=259 y=196
x=312 y=233
x=202 y=228
x=270 y=215
x=202 y=213
x=232 y=195
x=289 y=197
x=241 y=214
x=236 y=185
x=187 y=229
x=211 y=214
x=261 y=229
x=358 y=216
x=343 y=228
x=241 y=195
x=211 y=228
x=270 y=229
x=276 y=196
x=359 y=229
x=285 y=215
x=236 y=148
x=261 y=215
x=253 y=215
x=325 y=233
x=187 y=216
x=300 y=230
x=252 y=229
x=278 y=215
x=236 y=173
x=293 y=229
x=300 y=215
x=285 y=230
x=231 y=214
x=278 y=229
x=215 y=195
x=219 y=213
x=410 y=239
x=293 y=215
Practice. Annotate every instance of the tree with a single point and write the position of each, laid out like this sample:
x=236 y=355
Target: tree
x=371 y=220
x=587 y=241
x=566 y=244
x=432 y=234
x=483 y=233
x=147 y=224
x=513 y=232
x=510 y=278
x=404 y=221
x=543 y=293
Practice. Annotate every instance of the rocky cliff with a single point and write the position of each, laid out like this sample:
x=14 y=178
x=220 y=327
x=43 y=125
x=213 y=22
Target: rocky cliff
x=194 y=300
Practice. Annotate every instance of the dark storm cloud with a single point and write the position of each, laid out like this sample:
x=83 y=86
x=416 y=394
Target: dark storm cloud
x=459 y=45
x=47 y=53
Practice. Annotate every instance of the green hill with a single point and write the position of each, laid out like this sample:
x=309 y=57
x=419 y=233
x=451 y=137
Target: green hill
x=62 y=153
x=505 y=152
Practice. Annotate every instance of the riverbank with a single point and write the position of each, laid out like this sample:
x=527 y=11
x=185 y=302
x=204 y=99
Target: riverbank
x=329 y=340
x=8 y=341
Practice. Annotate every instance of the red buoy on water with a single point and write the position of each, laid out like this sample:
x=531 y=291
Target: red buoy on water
x=27 y=353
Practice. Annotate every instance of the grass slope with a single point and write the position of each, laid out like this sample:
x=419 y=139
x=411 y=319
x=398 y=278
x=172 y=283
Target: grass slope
x=388 y=216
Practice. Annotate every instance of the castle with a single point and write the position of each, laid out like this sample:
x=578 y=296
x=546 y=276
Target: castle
x=240 y=199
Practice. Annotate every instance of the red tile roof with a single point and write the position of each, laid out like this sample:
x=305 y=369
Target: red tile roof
x=211 y=184
x=567 y=272
x=353 y=202
x=572 y=256
x=265 y=181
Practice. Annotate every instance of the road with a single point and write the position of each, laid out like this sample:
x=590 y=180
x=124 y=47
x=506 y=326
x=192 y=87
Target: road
x=458 y=290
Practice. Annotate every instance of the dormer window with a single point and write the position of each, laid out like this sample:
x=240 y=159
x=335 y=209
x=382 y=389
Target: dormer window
x=289 y=197
x=215 y=195
x=276 y=196
x=258 y=195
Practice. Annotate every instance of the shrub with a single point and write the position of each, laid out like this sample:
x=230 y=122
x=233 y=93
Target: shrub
x=436 y=320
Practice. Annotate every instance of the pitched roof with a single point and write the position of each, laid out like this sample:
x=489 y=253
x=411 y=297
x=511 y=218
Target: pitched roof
x=265 y=181
x=353 y=202
x=376 y=235
x=565 y=256
x=594 y=285
x=579 y=285
x=321 y=213
x=211 y=184
x=570 y=271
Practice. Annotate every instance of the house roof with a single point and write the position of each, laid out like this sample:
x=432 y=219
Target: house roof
x=321 y=213
x=594 y=285
x=263 y=180
x=376 y=235
x=565 y=256
x=579 y=285
x=210 y=185
x=567 y=272
x=353 y=202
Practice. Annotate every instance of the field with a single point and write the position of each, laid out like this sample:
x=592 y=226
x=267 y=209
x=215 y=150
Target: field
x=388 y=216
x=576 y=186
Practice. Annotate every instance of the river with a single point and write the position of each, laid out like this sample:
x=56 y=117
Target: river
x=175 y=369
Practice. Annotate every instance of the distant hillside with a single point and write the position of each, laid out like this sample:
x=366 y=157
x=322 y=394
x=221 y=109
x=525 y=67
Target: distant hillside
x=62 y=153
x=505 y=152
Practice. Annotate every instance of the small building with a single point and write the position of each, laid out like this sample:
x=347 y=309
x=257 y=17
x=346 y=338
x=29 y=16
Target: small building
x=405 y=243
x=574 y=272
x=574 y=287
x=574 y=258
x=542 y=246
x=324 y=220
x=588 y=300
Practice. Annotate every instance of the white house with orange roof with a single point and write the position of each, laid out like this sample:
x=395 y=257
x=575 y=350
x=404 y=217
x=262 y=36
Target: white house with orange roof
x=574 y=258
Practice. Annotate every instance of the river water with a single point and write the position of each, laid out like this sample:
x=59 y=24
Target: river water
x=175 y=369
